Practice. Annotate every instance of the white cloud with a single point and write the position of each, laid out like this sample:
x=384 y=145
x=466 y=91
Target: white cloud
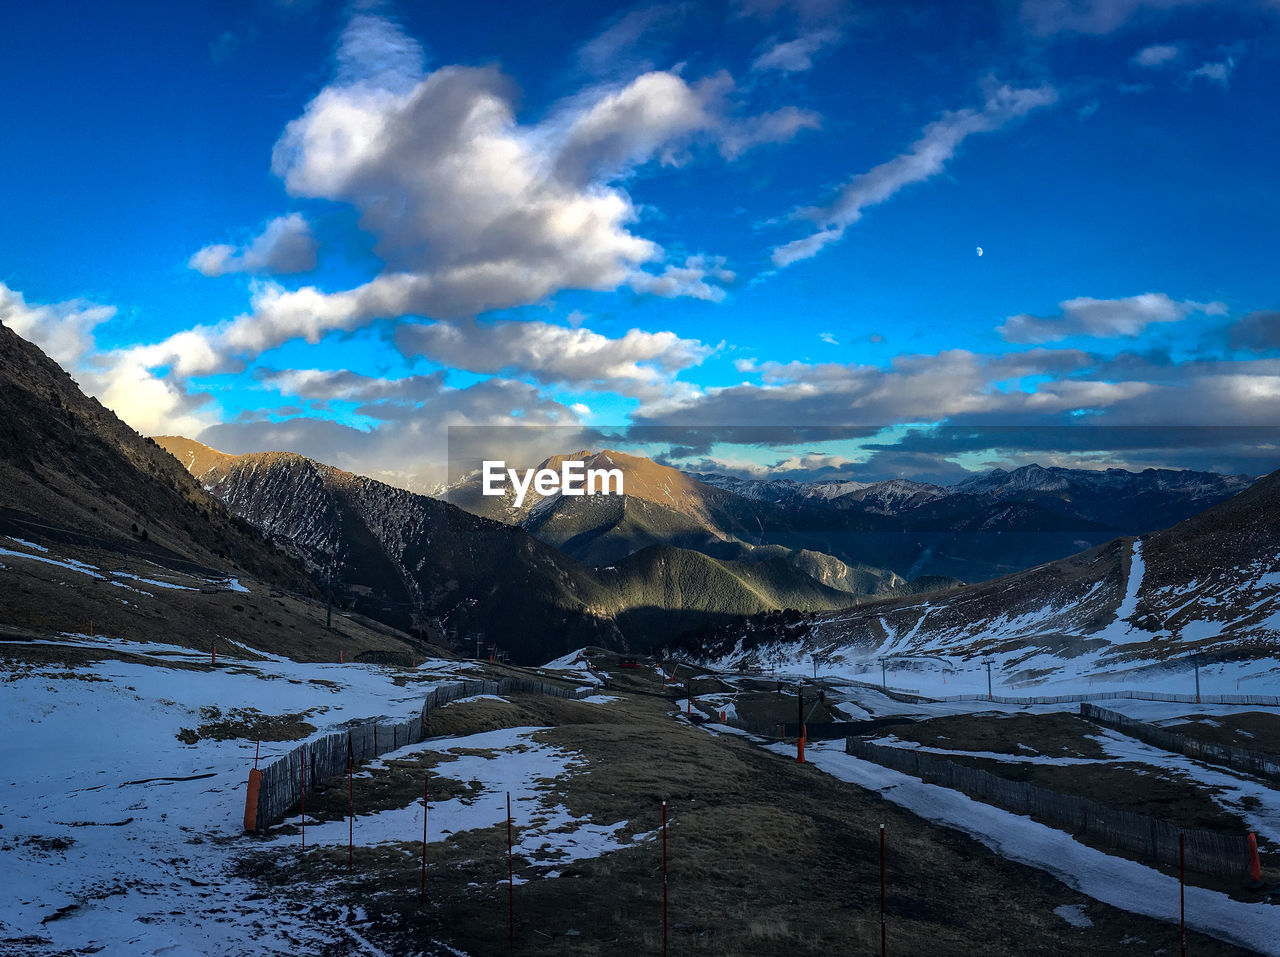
x=638 y=363
x=619 y=44
x=691 y=279
x=64 y=330
x=326 y=385
x=927 y=157
x=796 y=55
x=1104 y=318
x=286 y=245
x=914 y=388
x=119 y=379
x=779 y=126
x=1016 y=391
x=409 y=444
x=1219 y=73
x=653 y=115
x=473 y=211
x=1158 y=54
x=829 y=338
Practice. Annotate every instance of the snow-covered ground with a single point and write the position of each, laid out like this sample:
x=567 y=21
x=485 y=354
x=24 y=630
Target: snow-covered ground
x=516 y=765
x=1247 y=798
x=1139 y=637
x=935 y=676
x=1121 y=883
x=117 y=835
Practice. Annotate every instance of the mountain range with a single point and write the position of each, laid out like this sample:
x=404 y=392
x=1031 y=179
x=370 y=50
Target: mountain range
x=872 y=537
x=411 y=561
x=1209 y=585
x=86 y=501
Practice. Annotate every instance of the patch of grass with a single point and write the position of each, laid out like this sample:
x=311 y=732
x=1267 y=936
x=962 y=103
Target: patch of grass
x=1056 y=734
x=1253 y=730
x=248 y=724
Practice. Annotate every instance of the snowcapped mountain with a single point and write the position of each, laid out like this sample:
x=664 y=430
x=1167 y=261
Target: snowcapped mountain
x=1209 y=585
x=763 y=490
x=888 y=498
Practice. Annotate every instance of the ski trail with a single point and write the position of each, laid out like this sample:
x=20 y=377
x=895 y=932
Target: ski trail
x=1137 y=571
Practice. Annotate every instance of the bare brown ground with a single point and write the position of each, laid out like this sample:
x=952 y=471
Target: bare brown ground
x=766 y=857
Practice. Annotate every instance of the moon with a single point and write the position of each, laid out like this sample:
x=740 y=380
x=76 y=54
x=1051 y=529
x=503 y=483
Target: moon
x=979 y=250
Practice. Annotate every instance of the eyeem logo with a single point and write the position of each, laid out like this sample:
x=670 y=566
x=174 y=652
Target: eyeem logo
x=574 y=478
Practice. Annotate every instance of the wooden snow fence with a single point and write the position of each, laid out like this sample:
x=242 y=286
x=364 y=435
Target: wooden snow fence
x=1264 y=700
x=280 y=787
x=1241 y=759
x=1149 y=838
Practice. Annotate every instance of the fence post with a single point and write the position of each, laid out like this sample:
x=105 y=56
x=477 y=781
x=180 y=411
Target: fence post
x=884 y=937
x=1182 y=893
x=302 y=787
x=664 y=879
x=351 y=816
x=422 y=886
x=511 y=880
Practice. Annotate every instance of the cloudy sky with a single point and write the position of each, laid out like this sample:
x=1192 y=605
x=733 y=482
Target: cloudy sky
x=866 y=239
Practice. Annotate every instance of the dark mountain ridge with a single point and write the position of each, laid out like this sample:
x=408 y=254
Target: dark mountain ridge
x=414 y=561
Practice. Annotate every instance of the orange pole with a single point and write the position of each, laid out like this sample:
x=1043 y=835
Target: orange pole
x=511 y=879
x=1255 y=865
x=664 y=879
x=883 y=931
x=422 y=887
x=1182 y=891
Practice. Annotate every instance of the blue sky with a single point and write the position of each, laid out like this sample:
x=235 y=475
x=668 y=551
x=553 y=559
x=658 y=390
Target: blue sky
x=343 y=229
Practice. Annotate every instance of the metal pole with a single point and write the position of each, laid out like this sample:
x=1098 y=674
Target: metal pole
x=664 y=879
x=884 y=681
x=800 y=724
x=351 y=818
x=989 y=694
x=511 y=877
x=883 y=933
x=1195 y=659
x=328 y=595
x=1182 y=891
x=302 y=771
x=422 y=884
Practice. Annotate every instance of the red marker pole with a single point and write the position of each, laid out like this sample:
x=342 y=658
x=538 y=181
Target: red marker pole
x=1182 y=890
x=884 y=944
x=511 y=878
x=664 y=879
x=422 y=886
x=213 y=655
